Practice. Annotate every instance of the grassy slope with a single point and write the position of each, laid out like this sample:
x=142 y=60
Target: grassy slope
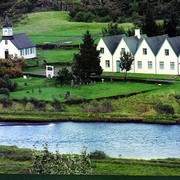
x=58 y=55
x=14 y=160
x=56 y=26
x=89 y=91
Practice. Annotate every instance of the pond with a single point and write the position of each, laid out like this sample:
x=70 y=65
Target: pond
x=126 y=140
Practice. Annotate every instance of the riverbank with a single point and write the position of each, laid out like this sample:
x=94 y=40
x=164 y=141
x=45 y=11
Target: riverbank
x=14 y=160
x=43 y=118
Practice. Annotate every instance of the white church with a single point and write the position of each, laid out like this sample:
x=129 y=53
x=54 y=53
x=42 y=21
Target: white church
x=152 y=55
x=16 y=45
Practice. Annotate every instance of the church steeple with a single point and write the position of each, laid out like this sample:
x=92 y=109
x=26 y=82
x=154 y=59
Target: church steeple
x=7 y=29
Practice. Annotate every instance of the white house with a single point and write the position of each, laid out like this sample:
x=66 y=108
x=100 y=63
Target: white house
x=16 y=45
x=152 y=55
x=107 y=46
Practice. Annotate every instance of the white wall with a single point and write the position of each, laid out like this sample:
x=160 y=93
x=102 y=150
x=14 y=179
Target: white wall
x=13 y=50
x=10 y=47
x=144 y=58
x=172 y=57
x=105 y=56
x=117 y=55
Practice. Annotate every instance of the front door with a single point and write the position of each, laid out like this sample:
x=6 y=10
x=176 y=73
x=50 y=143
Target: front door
x=118 y=66
x=6 y=54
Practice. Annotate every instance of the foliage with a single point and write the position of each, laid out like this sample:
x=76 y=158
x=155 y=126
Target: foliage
x=5 y=82
x=97 y=154
x=164 y=108
x=5 y=91
x=6 y=102
x=87 y=61
x=38 y=104
x=64 y=76
x=170 y=25
x=57 y=105
x=126 y=61
x=11 y=67
x=98 y=107
x=112 y=29
x=24 y=102
x=149 y=25
x=45 y=162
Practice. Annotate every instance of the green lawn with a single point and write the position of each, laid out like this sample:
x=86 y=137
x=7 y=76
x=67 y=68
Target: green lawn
x=55 y=26
x=58 y=55
x=143 y=76
x=87 y=91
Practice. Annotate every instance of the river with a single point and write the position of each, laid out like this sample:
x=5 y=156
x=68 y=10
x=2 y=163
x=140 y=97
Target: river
x=126 y=140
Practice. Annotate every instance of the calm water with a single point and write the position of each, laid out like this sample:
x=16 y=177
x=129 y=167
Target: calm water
x=125 y=139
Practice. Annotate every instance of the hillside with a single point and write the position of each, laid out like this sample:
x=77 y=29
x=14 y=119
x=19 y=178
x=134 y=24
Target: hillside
x=54 y=26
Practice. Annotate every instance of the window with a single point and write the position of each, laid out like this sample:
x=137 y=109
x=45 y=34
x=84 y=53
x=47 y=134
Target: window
x=166 y=51
x=161 y=65
x=123 y=50
x=21 y=52
x=31 y=50
x=172 y=65
x=26 y=51
x=102 y=50
x=6 y=42
x=139 y=64
x=149 y=64
x=144 y=51
x=107 y=63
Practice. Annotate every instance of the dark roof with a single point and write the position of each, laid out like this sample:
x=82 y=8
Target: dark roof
x=175 y=43
x=7 y=22
x=113 y=41
x=132 y=43
x=22 y=41
x=156 y=42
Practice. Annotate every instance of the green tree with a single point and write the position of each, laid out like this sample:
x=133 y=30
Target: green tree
x=170 y=25
x=87 y=61
x=126 y=61
x=45 y=162
x=112 y=29
x=64 y=76
x=149 y=25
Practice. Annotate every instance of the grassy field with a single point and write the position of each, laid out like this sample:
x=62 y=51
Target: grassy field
x=14 y=160
x=98 y=90
x=55 y=26
x=58 y=55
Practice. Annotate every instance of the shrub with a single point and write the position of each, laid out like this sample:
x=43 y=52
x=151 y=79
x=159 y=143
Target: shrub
x=38 y=104
x=5 y=91
x=44 y=162
x=6 y=102
x=57 y=105
x=96 y=107
x=97 y=155
x=164 y=108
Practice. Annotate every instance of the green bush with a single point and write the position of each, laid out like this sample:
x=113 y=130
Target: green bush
x=97 y=155
x=45 y=162
x=164 y=108
x=5 y=91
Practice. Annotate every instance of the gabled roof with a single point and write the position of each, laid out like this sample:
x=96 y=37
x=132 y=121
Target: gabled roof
x=133 y=43
x=112 y=42
x=175 y=44
x=7 y=22
x=22 y=41
x=156 y=42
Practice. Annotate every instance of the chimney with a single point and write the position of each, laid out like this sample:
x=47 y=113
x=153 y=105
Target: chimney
x=138 y=33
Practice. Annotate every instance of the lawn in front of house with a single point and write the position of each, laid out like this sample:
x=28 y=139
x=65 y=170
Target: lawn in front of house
x=50 y=90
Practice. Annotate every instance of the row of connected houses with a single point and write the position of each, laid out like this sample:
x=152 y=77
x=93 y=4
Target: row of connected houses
x=152 y=55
